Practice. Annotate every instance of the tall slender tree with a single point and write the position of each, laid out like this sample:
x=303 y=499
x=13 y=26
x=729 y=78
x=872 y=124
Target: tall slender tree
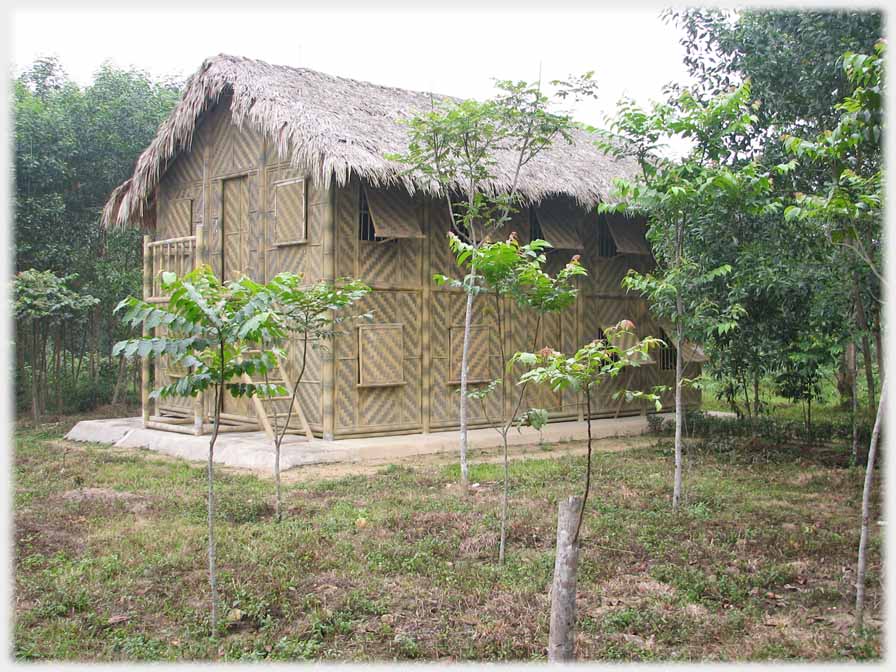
x=459 y=145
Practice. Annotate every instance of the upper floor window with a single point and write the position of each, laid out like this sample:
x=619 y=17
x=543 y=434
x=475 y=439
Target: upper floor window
x=606 y=244
x=366 y=230
x=535 y=231
x=668 y=354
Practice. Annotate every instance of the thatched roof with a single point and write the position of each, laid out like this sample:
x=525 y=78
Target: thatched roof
x=331 y=127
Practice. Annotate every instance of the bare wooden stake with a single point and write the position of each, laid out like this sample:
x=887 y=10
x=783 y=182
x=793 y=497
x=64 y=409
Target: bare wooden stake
x=562 y=638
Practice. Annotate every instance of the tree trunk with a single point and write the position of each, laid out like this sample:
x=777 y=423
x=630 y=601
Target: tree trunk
x=866 y=509
x=121 y=381
x=679 y=417
x=844 y=379
x=853 y=384
x=508 y=423
x=866 y=346
x=503 y=542
x=468 y=321
x=57 y=368
x=42 y=372
x=562 y=637
x=756 y=404
x=809 y=419
x=212 y=575
x=35 y=383
x=679 y=373
x=587 y=468
x=278 y=442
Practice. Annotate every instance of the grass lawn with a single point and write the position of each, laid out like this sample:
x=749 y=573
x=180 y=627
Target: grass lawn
x=400 y=563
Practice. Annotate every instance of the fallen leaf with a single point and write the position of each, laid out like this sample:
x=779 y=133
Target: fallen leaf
x=118 y=618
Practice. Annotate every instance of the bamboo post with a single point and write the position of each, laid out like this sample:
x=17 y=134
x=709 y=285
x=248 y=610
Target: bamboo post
x=199 y=257
x=147 y=293
x=562 y=638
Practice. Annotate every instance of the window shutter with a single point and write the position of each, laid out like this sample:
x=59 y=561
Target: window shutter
x=394 y=213
x=289 y=212
x=181 y=218
x=629 y=235
x=380 y=355
x=559 y=219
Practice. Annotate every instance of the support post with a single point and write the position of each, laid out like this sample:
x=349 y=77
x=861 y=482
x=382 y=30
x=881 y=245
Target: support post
x=562 y=638
x=144 y=365
x=328 y=356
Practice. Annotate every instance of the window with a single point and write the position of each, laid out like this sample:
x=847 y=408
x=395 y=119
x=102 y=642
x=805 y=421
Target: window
x=606 y=245
x=534 y=226
x=180 y=218
x=668 y=353
x=366 y=230
x=380 y=355
x=289 y=212
x=601 y=336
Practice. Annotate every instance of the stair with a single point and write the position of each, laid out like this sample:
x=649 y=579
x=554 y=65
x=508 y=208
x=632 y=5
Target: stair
x=265 y=414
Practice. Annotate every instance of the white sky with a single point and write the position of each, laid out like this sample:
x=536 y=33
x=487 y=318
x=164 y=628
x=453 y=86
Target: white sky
x=452 y=52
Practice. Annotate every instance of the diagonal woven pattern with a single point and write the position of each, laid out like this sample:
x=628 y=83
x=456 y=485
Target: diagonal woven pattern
x=560 y=219
x=381 y=351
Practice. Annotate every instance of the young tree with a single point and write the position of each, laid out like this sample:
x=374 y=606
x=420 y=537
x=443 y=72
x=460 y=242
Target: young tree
x=849 y=208
x=213 y=330
x=588 y=368
x=44 y=304
x=512 y=271
x=684 y=200
x=308 y=313
x=462 y=146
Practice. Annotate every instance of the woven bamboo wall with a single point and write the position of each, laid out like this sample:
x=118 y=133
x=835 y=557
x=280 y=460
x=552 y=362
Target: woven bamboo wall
x=397 y=373
x=238 y=173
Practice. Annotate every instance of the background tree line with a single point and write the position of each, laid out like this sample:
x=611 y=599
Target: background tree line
x=809 y=306
x=73 y=145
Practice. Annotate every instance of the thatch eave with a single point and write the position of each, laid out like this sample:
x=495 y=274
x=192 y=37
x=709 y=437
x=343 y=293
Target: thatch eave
x=333 y=127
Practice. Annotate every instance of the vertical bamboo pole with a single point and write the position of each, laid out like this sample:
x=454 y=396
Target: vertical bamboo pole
x=426 y=323
x=147 y=292
x=199 y=254
x=328 y=357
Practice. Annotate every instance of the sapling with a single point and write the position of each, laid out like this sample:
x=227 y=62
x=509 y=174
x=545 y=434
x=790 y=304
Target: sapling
x=469 y=147
x=212 y=330
x=310 y=313
x=583 y=372
x=512 y=271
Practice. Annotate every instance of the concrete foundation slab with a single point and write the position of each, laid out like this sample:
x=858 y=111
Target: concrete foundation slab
x=253 y=450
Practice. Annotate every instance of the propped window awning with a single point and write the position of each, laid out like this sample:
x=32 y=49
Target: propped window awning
x=628 y=234
x=559 y=219
x=393 y=211
x=690 y=352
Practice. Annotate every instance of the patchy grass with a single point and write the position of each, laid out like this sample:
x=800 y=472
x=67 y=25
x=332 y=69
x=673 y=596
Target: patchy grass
x=401 y=564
